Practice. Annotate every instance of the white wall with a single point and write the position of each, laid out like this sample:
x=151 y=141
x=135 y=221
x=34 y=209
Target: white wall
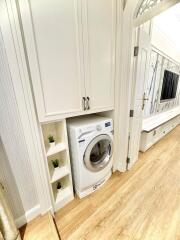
x=161 y=41
x=19 y=128
x=166 y=32
x=15 y=168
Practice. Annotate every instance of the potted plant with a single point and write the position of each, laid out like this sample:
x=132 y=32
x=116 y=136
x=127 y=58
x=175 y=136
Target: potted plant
x=58 y=186
x=55 y=163
x=51 y=141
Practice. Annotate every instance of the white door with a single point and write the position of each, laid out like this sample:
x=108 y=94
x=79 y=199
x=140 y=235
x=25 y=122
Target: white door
x=99 y=23
x=55 y=66
x=141 y=72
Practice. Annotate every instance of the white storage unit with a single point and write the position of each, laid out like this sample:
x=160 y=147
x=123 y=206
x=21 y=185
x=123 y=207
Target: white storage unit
x=154 y=128
x=71 y=52
x=61 y=174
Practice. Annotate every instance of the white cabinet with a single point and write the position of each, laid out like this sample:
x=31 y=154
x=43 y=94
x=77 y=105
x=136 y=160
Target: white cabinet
x=99 y=20
x=152 y=133
x=55 y=62
x=71 y=50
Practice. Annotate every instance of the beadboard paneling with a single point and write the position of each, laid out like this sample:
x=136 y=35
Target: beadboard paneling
x=18 y=169
x=9 y=183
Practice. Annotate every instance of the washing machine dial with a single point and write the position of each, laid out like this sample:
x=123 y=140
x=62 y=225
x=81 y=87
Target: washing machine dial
x=98 y=128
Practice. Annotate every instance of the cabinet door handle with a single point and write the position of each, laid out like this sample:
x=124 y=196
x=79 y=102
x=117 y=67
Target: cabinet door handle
x=88 y=103
x=144 y=101
x=84 y=103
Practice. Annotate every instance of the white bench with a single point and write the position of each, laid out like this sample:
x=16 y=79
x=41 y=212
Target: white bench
x=155 y=127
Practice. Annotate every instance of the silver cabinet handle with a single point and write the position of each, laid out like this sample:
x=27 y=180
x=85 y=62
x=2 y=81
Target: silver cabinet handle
x=84 y=103
x=88 y=103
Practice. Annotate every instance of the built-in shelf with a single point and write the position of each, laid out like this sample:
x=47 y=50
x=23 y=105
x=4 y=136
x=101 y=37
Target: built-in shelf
x=59 y=147
x=63 y=193
x=59 y=152
x=64 y=196
x=59 y=173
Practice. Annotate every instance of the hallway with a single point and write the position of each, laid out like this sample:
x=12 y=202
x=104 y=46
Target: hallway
x=143 y=203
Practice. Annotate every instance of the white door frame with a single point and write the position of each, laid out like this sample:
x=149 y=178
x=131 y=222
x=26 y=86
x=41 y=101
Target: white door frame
x=130 y=22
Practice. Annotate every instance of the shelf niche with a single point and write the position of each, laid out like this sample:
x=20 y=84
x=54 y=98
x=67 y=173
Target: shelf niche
x=60 y=152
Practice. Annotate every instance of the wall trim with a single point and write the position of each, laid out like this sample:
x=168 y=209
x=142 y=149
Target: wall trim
x=118 y=62
x=28 y=216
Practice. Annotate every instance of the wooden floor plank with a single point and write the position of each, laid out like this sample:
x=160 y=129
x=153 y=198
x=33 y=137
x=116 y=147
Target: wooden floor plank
x=41 y=228
x=141 y=204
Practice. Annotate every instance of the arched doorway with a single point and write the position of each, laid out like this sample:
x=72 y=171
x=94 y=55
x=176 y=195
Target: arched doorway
x=145 y=6
x=135 y=13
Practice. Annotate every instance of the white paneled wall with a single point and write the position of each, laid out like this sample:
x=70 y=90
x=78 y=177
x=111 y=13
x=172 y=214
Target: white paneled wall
x=153 y=86
x=9 y=183
x=15 y=171
x=19 y=129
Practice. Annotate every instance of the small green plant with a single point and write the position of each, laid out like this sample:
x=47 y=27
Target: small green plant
x=51 y=139
x=55 y=163
x=59 y=185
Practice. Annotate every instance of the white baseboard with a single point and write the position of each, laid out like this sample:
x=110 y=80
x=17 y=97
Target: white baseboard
x=28 y=216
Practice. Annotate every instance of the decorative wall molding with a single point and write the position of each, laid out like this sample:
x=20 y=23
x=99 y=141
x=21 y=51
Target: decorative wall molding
x=152 y=11
x=158 y=64
x=146 y=5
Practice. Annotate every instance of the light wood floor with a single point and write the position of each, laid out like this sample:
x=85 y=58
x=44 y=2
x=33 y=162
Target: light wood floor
x=142 y=204
x=41 y=228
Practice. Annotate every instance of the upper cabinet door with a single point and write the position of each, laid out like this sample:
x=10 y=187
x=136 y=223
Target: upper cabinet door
x=99 y=28
x=54 y=54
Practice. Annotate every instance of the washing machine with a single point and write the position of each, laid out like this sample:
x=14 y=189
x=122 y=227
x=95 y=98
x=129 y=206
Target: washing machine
x=91 y=148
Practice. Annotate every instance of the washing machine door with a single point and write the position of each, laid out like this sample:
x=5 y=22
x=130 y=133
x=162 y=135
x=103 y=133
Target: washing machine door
x=98 y=153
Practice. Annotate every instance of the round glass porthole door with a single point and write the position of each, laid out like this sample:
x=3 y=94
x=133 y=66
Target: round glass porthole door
x=98 y=153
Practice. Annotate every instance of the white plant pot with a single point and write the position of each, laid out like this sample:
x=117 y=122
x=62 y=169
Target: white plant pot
x=59 y=190
x=52 y=144
x=56 y=169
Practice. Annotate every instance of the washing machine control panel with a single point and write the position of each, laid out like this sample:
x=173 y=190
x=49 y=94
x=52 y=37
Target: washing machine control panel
x=99 y=128
x=87 y=131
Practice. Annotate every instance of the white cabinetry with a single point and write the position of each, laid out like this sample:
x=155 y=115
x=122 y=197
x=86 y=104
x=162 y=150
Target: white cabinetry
x=53 y=46
x=71 y=50
x=156 y=127
x=99 y=20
